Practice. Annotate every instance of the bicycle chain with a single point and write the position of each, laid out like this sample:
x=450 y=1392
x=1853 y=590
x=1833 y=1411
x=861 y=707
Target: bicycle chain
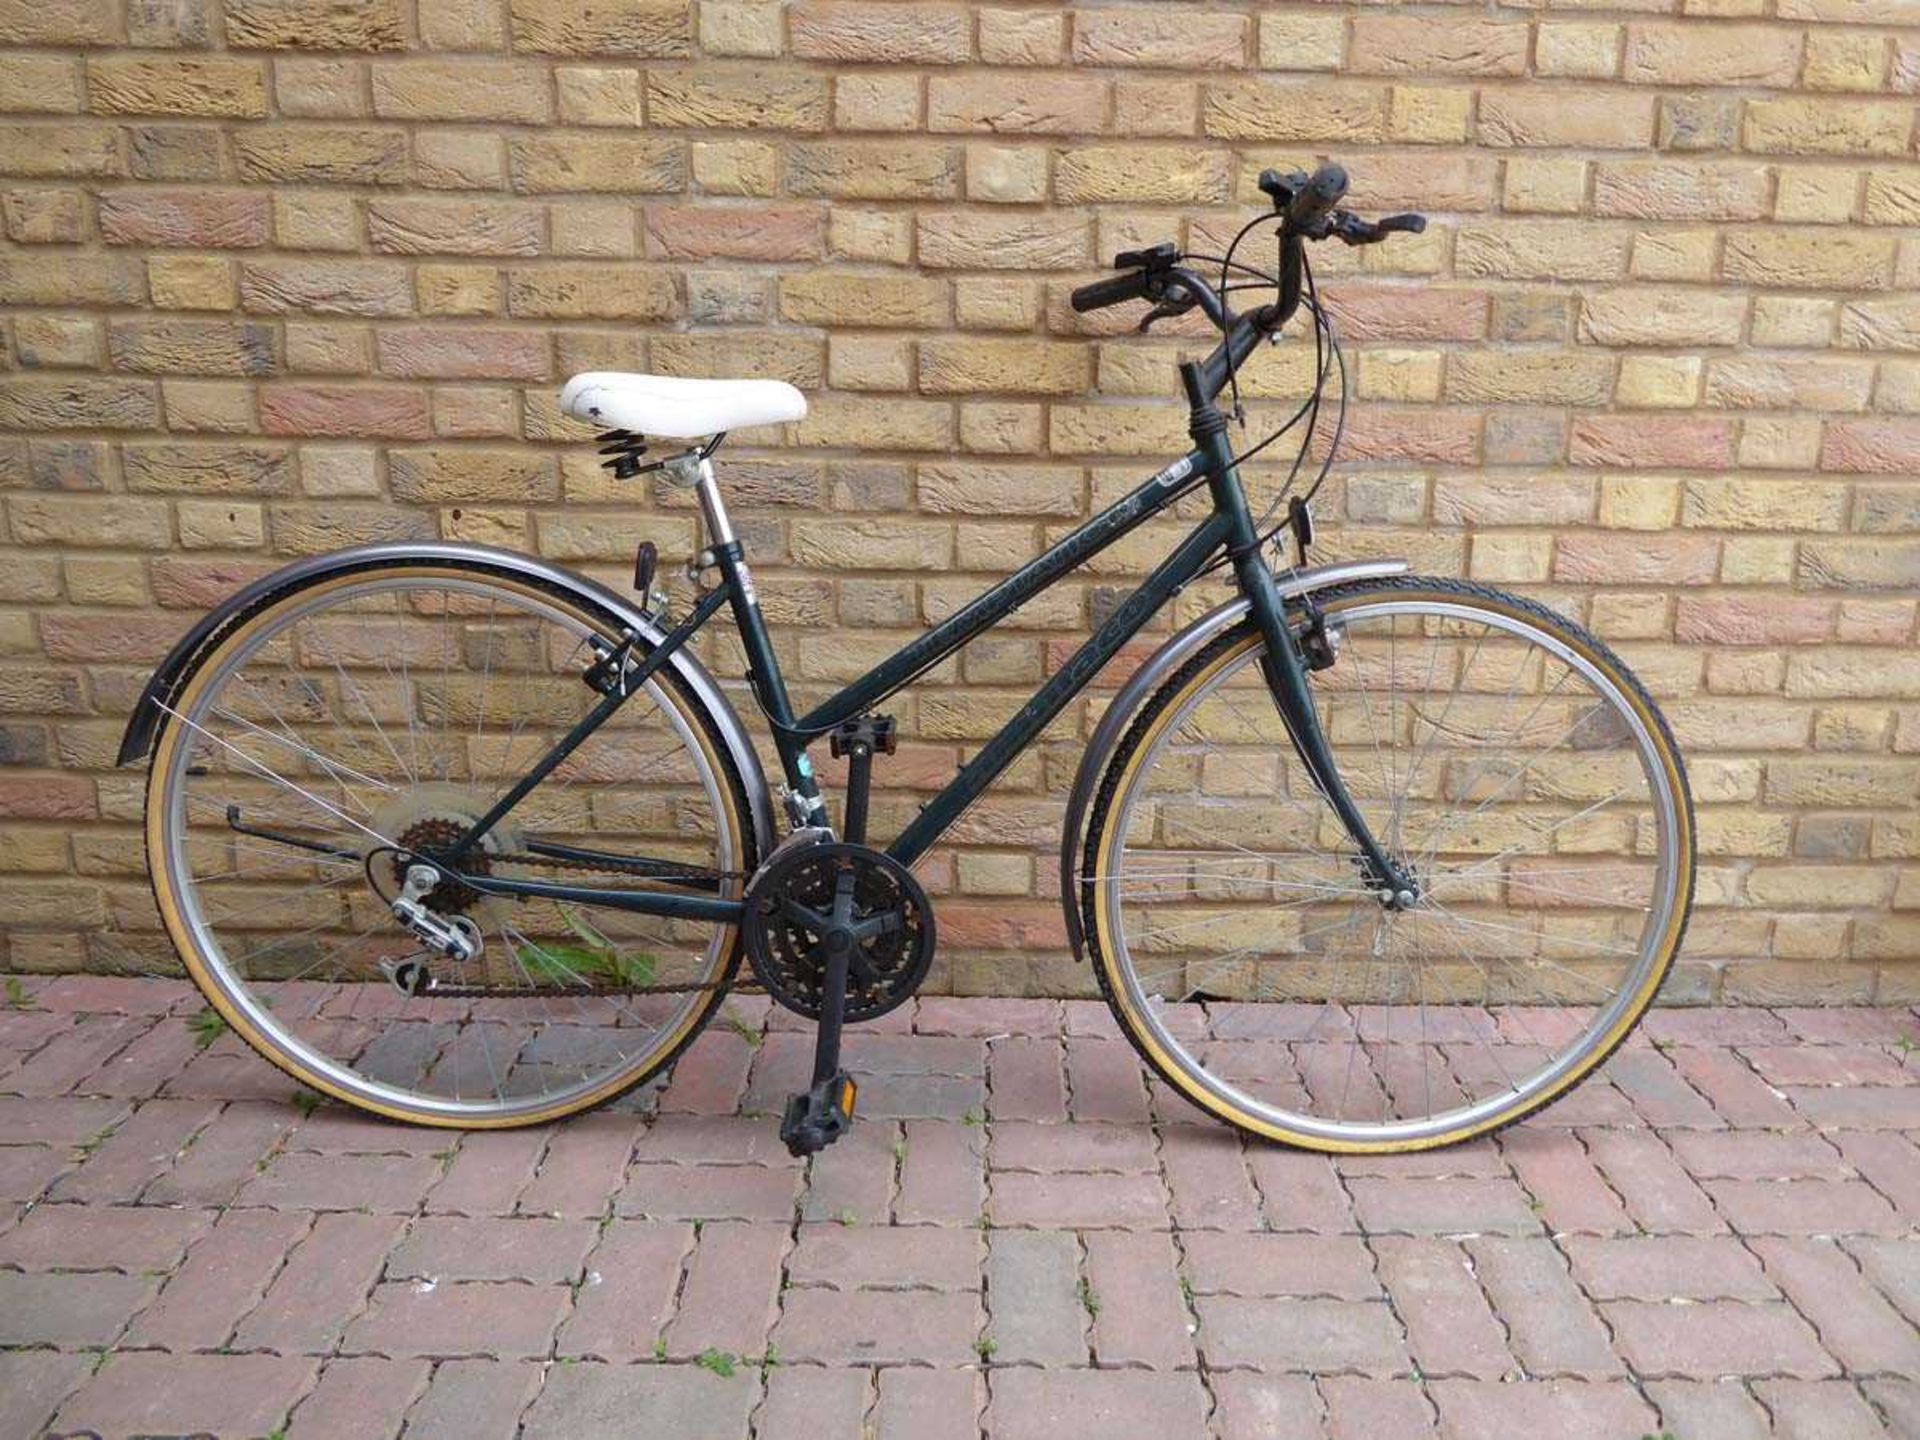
x=562 y=862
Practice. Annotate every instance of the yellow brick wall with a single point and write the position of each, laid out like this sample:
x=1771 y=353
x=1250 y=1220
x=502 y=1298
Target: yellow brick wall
x=283 y=275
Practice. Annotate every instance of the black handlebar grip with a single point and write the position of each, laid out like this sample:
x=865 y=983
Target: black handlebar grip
x=1313 y=200
x=1102 y=293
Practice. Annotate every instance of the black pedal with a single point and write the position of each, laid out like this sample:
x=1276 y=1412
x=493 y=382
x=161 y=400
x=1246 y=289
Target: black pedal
x=878 y=732
x=819 y=1117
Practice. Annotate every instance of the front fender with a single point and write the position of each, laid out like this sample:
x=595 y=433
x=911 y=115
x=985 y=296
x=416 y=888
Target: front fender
x=1148 y=678
x=185 y=656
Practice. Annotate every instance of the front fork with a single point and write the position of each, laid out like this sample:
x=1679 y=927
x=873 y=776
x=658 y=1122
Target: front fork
x=1282 y=662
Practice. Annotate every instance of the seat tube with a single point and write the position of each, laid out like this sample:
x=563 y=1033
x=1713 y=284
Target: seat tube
x=763 y=667
x=1282 y=664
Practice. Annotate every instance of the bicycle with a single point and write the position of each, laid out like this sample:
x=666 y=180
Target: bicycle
x=1346 y=803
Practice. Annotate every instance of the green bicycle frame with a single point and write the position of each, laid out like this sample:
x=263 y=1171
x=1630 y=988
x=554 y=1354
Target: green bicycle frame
x=1228 y=525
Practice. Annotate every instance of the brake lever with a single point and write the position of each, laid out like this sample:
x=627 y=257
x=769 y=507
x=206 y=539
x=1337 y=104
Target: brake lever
x=1165 y=310
x=1352 y=230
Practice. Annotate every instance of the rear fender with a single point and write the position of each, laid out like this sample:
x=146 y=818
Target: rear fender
x=185 y=657
x=1163 y=663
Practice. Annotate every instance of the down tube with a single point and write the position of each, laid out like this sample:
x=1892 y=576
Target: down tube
x=1125 y=622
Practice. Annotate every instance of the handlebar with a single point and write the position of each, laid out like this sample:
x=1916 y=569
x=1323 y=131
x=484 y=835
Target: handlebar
x=1307 y=206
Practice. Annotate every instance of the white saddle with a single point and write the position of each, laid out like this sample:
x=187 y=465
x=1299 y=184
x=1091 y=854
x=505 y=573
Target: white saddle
x=675 y=408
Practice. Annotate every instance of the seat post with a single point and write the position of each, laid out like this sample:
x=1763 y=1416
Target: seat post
x=697 y=472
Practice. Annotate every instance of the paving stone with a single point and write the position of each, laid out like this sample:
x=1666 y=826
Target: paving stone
x=1027 y=1078
x=1818 y=1410
x=1758 y=1155
x=812 y=1400
x=1299 y=1191
x=1716 y=1338
x=1569 y=1192
x=1451 y=1330
x=929 y=1404
x=919 y=1257
x=475 y=1400
x=1659 y=1194
x=89 y=1308
x=878 y=1327
x=1861 y=1107
x=1720 y=1409
x=34 y=1383
x=1105 y=1081
x=1564 y=1409
x=710 y=1077
x=732 y=1290
x=1899 y=1400
x=1550 y=1324
x=710 y=1192
x=644 y=1402
x=1304 y=1336
x=115 y=995
x=1207 y=1176
x=102 y=1237
x=1890 y=1163
x=854 y=1180
x=225 y=1275
x=1840 y=1025
x=1668 y=1267
x=143 y=1148
x=1023 y=1145
x=1738 y=1096
x=1035 y=1315
x=982 y=1019
x=327 y=1278
x=58 y=1069
x=1266 y=1407
x=1139 y=1315
x=1442 y=1207
x=1804 y=1207
x=537 y=1249
x=1787 y=1066
x=942 y=1174
x=386 y=1184
x=1362 y=1409
x=713 y=1140
x=447 y=1321
x=1332 y=1267
x=1040 y=1405
x=224 y=1158
x=149 y=1393
x=60 y=1121
x=1479 y=1159
x=336 y=1130
x=584 y=1166
x=144 y=1066
x=1856 y=1325
x=632 y=1279
x=1716 y=1027
x=1079 y=1202
x=1894 y=1268
x=26 y=1171
x=488 y=1172
x=1658 y=1091
x=359 y=1399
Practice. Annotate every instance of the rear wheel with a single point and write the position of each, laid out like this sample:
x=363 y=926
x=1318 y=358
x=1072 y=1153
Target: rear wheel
x=1497 y=749
x=378 y=712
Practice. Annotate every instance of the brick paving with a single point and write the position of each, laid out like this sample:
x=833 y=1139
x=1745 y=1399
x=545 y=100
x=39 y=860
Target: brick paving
x=1719 y=1237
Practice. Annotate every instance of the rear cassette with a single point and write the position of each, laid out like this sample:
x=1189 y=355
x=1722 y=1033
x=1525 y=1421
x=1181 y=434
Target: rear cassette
x=786 y=920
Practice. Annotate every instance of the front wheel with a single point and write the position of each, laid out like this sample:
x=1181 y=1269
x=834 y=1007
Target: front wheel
x=1500 y=752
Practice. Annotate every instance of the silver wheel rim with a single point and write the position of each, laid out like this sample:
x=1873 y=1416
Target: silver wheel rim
x=237 y=991
x=1152 y=1012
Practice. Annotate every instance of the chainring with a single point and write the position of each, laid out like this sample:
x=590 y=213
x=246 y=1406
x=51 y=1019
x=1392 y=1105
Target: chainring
x=785 y=952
